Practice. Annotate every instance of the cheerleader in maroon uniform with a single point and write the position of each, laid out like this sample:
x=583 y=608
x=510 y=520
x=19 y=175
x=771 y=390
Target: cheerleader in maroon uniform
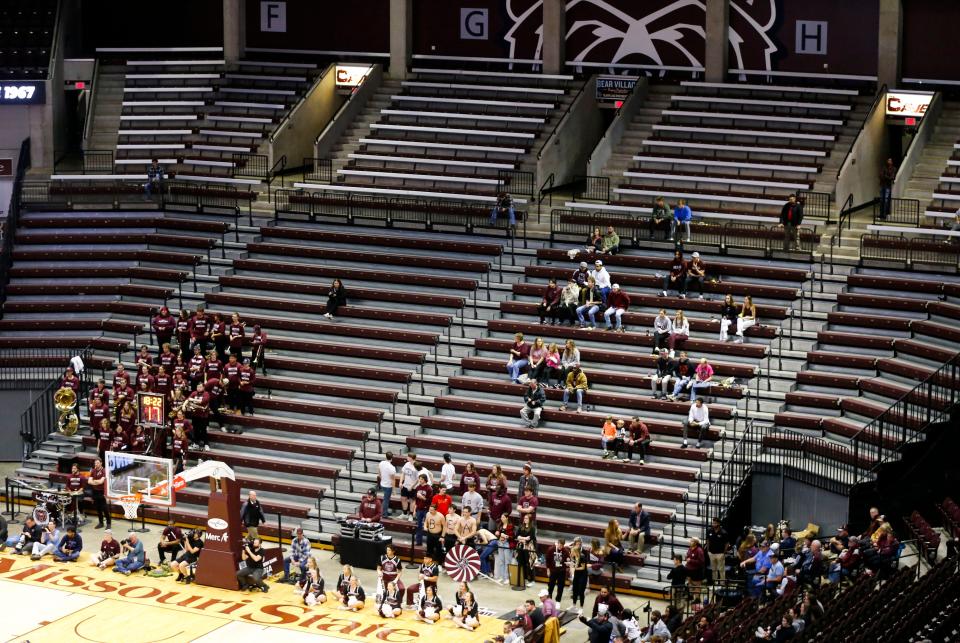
x=389 y=568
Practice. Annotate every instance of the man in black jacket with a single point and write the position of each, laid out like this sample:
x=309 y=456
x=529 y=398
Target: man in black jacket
x=533 y=401
x=660 y=381
x=791 y=216
x=251 y=513
x=599 y=626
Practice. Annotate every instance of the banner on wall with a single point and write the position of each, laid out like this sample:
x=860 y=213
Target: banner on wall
x=905 y=103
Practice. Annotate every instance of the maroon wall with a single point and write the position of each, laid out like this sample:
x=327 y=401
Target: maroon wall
x=930 y=46
x=436 y=28
x=361 y=25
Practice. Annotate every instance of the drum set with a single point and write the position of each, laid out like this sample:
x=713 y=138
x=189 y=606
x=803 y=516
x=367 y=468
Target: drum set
x=51 y=504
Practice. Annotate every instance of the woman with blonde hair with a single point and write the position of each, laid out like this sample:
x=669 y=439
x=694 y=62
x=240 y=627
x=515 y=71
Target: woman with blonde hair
x=553 y=366
x=538 y=359
x=679 y=332
x=613 y=536
x=568 y=359
x=747 y=317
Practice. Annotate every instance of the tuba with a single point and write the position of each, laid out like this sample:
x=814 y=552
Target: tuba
x=65 y=400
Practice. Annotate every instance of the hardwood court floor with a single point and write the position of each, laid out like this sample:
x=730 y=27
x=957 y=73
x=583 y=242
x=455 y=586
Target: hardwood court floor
x=50 y=602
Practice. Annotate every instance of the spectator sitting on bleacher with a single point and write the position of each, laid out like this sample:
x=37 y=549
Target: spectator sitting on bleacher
x=637 y=439
x=677 y=277
x=538 y=359
x=611 y=242
x=591 y=306
x=576 y=383
x=660 y=380
x=810 y=564
x=638 y=528
x=682 y=372
x=504 y=205
x=550 y=303
x=617 y=303
x=519 y=358
x=569 y=300
x=791 y=216
x=659 y=214
x=594 y=242
x=335 y=298
x=702 y=378
x=48 y=541
x=568 y=359
x=697 y=418
x=696 y=273
x=154 y=179
x=580 y=276
x=681 y=215
x=533 y=400
x=839 y=542
x=553 y=367
x=757 y=565
x=775 y=573
x=608 y=433
x=69 y=546
x=746 y=318
x=728 y=316
x=783 y=632
x=788 y=544
x=608 y=599
x=662 y=326
x=847 y=562
x=657 y=628
x=680 y=331
x=876 y=519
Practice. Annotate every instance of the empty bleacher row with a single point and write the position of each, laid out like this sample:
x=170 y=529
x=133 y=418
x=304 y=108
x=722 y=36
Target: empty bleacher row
x=453 y=132
x=887 y=335
x=738 y=149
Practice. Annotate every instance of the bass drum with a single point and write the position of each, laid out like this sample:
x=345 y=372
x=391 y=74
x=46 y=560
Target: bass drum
x=41 y=514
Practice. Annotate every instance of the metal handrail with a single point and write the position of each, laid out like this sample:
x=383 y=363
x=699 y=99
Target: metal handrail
x=566 y=113
x=12 y=220
x=880 y=94
x=275 y=170
x=91 y=102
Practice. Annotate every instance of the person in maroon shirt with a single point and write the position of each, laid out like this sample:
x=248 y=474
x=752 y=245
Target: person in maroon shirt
x=145 y=381
x=121 y=395
x=370 y=509
x=170 y=541
x=137 y=441
x=118 y=439
x=258 y=349
x=638 y=440
x=144 y=358
x=196 y=370
x=423 y=494
x=214 y=389
x=181 y=422
x=557 y=559
x=231 y=380
x=527 y=504
x=519 y=357
x=677 y=277
x=200 y=330
x=468 y=477
x=97 y=412
x=71 y=381
x=178 y=382
x=104 y=435
x=247 y=378
x=695 y=564
x=164 y=325
x=120 y=374
x=178 y=448
x=162 y=382
x=237 y=333
x=550 y=303
x=127 y=418
x=180 y=366
x=183 y=331
x=101 y=392
x=500 y=505
x=75 y=484
x=212 y=366
x=390 y=568
x=219 y=336
x=96 y=482
x=167 y=358
x=199 y=404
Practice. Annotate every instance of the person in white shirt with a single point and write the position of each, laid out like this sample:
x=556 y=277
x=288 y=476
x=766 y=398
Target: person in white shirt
x=408 y=486
x=388 y=474
x=473 y=500
x=602 y=277
x=699 y=419
x=447 y=473
x=423 y=471
x=657 y=628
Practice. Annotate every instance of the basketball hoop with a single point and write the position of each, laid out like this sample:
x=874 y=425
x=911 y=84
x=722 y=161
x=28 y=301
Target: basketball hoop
x=130 y=505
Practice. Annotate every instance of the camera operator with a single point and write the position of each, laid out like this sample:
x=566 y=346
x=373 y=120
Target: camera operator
x=251 y=576
x=134 y=559
x=192 y=543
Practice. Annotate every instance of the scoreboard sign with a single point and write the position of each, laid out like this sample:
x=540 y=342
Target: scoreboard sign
x=23 y=92
x=151 y=409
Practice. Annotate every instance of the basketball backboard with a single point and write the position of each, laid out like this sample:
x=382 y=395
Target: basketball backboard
x=129 y=474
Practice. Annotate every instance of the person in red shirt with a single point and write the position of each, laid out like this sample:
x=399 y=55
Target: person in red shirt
x=695 y=564
x=101 y=392
x=137 y=440
x=237 y=334
x=442 y=500
x=75 y=484
x=170 y=541
x=104 y=435
x=118 y=439
x=97 y=412
x=70 y=380
x=180 y=366
x=247 y=378
x=219 y=337
x=215 y=390
x=181 y=422
x=162 y=382
x=200 y=330
x=527 y=504
x=183 y=331
x=212 y=366
x=638 y=440
x=423 y=495
x=96 y=482
x=145 y=381
x=127 y=418
x=164 y=325
x=231 y=381
x=370 y=509
x=199 y=404
x=500 y=505
x=122 y=394
x=677 y=277
x=258 y=344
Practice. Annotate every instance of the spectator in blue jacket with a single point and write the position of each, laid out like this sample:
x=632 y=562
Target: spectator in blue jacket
x=681 y=215
x=69 y=547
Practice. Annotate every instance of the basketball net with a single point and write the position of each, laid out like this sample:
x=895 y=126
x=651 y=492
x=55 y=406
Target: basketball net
x=130 y=505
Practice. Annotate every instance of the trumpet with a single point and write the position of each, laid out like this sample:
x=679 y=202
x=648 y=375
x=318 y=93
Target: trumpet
x=65 y=400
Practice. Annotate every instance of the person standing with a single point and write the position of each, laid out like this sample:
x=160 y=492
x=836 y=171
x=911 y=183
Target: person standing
x=791 y=216
x=888 y=174
x=424 y=493
x=578 y=566
x=408 y=484
x=96 y=482
x=718 y=544
x=557 y=559
x=251 y=513
x=163 y=324
x=388 y=474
